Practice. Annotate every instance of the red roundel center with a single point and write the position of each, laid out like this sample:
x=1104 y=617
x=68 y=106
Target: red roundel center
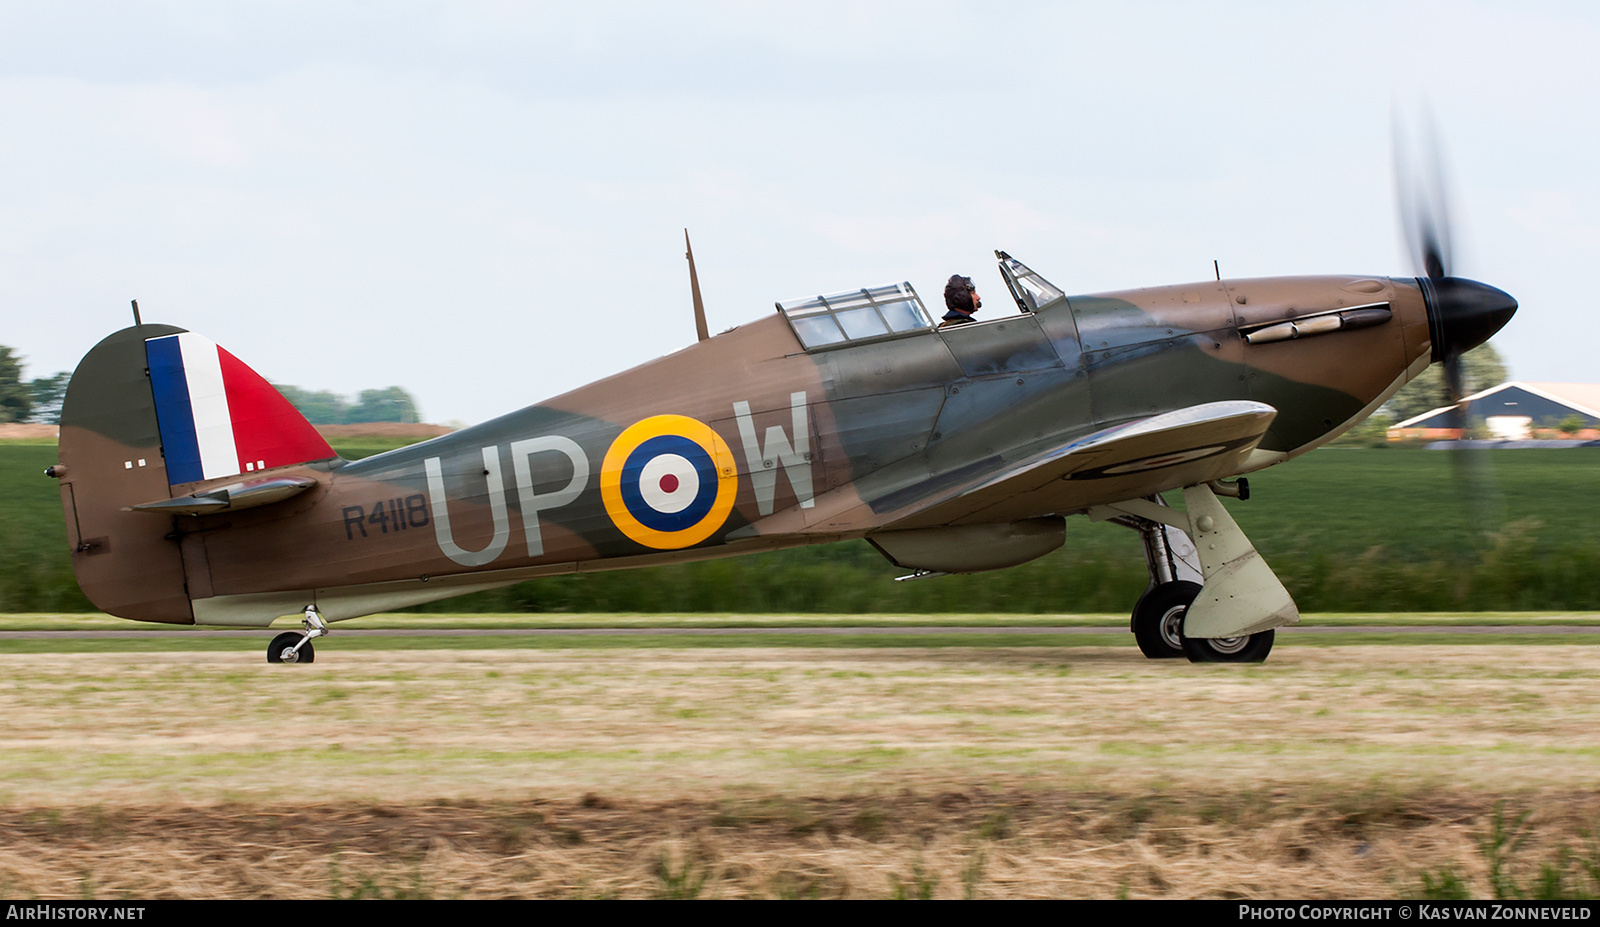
x=669 y=483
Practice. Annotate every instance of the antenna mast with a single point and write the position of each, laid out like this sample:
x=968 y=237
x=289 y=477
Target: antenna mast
x=694 y=287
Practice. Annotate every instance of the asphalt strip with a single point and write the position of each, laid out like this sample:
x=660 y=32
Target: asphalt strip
x=1553 y=629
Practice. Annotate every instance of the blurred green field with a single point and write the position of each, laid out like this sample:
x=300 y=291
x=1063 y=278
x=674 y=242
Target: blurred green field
x=1348 y=530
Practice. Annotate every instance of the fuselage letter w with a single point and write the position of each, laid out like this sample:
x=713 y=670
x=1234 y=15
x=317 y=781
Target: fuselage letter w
x=764 y=459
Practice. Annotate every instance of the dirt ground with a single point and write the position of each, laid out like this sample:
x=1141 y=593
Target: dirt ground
x=1330 y=771
x=416 y=432
x=18 y=431
x=954 y=844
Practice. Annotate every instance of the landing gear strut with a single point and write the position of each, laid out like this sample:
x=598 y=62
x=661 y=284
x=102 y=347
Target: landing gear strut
x=1175 y=578
x=295 y=646
x=1211 y=597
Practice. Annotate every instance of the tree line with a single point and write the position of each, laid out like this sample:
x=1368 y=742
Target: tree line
x=324 y=407
x=1481 y=368
x=22 y=400
x=39 y=400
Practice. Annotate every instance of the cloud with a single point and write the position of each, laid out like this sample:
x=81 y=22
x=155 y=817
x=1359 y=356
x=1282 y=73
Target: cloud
x=186 y=123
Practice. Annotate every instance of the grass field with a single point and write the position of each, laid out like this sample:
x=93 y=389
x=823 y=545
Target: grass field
x=1347 y=529
x=894 y=756
x=749 y=770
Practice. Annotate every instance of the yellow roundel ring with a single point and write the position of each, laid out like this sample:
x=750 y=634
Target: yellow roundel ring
x=669 y=482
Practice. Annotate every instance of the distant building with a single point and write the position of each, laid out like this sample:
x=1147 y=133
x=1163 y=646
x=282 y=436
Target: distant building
x=1514 y=411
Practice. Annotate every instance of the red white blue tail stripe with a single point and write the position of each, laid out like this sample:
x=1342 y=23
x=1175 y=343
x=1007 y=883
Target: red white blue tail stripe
x=220 y=418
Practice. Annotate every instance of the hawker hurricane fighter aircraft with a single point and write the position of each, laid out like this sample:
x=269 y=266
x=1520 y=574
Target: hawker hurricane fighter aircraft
x=195 y=494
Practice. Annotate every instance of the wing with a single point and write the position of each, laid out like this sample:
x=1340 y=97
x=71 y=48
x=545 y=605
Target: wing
x=1128 y=461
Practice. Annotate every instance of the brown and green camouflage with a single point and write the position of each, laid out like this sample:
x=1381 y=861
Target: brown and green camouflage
x=974 y=439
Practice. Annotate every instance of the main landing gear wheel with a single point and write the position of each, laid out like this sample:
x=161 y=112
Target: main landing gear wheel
x=1252 y=648
x=1158 y=619
x=281 y=650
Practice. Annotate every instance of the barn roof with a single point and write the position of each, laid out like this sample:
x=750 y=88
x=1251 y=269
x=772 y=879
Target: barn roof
x=1583 y=397
x=1538 y=401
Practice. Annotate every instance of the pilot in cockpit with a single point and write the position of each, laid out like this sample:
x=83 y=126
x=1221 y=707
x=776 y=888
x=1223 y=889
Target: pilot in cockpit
x=961 y=298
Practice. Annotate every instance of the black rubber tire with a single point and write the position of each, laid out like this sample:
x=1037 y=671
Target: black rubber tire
x=286 y=640
x=1158 y=619
x=1252 y=649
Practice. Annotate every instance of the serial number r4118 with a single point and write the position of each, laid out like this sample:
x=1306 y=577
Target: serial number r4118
x=385 y=516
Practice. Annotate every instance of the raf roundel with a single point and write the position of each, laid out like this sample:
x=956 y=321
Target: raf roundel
x=668 y=482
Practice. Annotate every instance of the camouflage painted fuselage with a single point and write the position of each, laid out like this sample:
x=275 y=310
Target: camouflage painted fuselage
x=765 y=445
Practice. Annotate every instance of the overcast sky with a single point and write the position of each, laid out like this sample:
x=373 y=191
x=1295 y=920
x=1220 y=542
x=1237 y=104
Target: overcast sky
x=484 y=203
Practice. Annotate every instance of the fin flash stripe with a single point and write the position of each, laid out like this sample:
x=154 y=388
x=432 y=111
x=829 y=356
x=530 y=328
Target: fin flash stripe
x=218 y=417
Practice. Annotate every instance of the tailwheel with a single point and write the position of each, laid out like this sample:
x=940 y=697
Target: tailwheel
x=282 y=649
x=1251 y=648
x=1158 y=619
x=295 y=647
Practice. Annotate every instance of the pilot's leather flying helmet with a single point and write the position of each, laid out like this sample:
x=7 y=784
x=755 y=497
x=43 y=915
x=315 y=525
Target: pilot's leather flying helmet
x=958 y=294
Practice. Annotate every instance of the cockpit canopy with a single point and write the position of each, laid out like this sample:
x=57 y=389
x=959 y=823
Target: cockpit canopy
x=1031 y=291
x=854 y=316
x=895 y=310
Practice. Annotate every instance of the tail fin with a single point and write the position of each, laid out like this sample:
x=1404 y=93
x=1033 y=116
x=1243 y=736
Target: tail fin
x=149 y=412
x=220 y=418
